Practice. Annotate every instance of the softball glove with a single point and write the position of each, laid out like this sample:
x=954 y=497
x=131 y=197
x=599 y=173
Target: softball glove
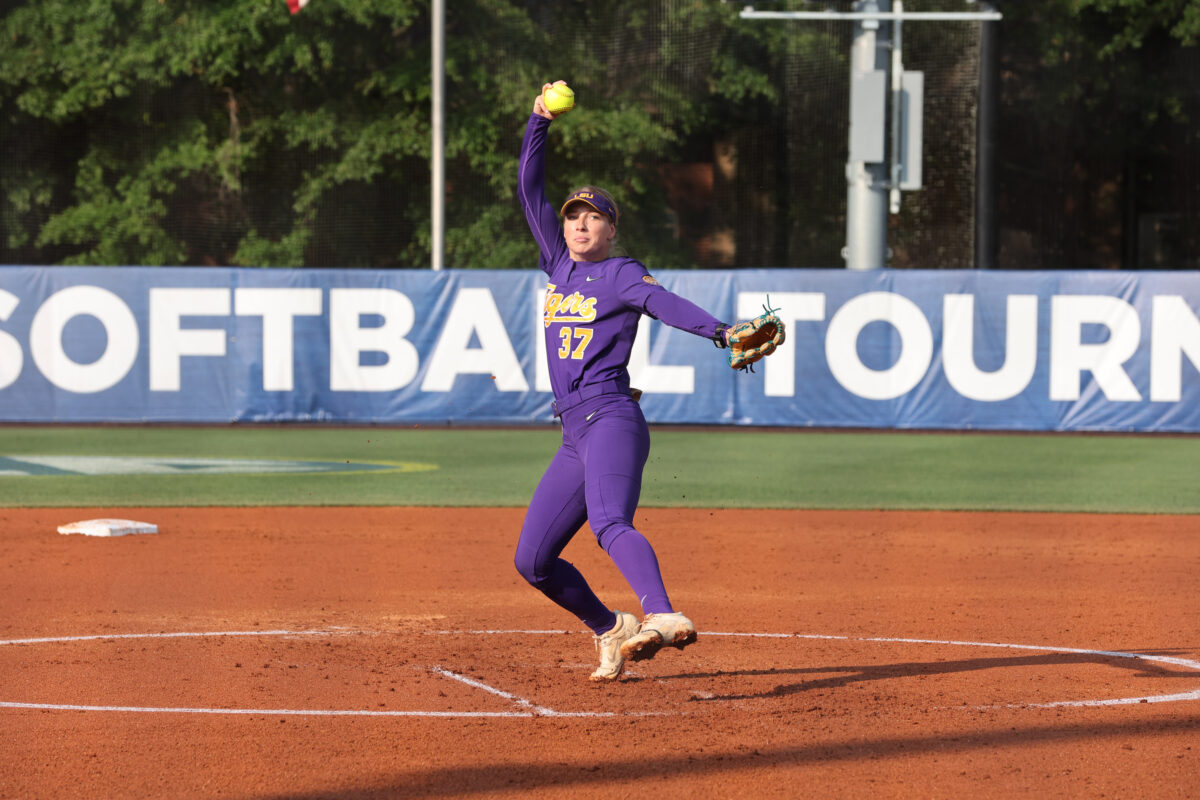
x=750 y=342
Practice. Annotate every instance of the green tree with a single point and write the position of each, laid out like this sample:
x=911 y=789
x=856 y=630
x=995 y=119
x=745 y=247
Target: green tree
x=198 y=132
x=230 y=132
x=1133 y=22
x=1097 y=122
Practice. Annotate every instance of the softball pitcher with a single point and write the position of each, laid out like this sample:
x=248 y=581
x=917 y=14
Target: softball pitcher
x=593 y=303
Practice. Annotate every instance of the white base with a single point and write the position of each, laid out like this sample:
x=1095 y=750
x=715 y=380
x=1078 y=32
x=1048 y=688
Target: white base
x=108 y=527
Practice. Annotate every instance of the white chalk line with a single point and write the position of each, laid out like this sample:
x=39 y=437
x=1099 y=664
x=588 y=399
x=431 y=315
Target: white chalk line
x=530 y=709
x=536 y=710
x=1115 y=701
x=180 y=635
x=287 y=712
x=541 y=711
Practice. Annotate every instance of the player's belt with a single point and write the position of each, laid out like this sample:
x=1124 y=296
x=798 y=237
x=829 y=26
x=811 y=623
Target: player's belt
x=572 y=399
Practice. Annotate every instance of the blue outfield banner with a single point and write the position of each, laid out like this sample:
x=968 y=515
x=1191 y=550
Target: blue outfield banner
x=1085 y=351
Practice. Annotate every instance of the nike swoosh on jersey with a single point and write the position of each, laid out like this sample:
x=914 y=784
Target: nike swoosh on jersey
x=589 y=279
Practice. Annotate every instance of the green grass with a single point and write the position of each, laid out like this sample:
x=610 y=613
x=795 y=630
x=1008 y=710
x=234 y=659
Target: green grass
x=727 y=468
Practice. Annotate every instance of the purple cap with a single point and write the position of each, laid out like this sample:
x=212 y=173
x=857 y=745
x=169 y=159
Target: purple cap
x=593 y=199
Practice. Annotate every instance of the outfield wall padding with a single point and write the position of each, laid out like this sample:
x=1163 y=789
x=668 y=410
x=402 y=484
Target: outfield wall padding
x=1067 y=351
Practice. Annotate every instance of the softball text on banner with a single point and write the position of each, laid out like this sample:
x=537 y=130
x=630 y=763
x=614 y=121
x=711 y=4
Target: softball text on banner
x=887 y=349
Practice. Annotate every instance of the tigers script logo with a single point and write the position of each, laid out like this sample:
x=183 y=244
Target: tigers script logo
x=573 y=308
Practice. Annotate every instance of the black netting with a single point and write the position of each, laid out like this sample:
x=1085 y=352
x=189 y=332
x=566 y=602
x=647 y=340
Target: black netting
x=759 y=178
x=215 y=132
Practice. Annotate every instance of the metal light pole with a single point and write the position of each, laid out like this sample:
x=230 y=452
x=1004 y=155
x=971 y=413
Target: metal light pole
x=437 y=215
x=874 y=185
x=986 y=244
x=867 y=179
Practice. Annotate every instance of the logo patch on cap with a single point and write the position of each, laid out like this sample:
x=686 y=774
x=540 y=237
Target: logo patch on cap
x=593 y=199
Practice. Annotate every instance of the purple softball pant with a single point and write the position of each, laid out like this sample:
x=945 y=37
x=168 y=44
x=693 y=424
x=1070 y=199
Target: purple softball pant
x=595 y=477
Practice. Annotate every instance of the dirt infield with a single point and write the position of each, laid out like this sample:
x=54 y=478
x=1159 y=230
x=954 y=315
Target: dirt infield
x=395 y=652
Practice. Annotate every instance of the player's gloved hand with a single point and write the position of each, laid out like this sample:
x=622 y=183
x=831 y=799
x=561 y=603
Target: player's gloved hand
x=750 y=342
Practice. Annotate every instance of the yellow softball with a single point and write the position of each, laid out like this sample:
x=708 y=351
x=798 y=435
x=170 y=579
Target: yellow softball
x=559 y=98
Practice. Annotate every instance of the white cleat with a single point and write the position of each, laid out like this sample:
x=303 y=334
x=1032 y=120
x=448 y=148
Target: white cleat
x=609 y=647
x=659 y=631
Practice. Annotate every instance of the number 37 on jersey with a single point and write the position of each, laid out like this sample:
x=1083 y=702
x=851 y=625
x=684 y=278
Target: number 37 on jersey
x=570 y=310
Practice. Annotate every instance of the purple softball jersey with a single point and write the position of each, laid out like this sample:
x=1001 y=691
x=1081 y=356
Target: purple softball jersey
x=592 y=308
x=591 y=318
